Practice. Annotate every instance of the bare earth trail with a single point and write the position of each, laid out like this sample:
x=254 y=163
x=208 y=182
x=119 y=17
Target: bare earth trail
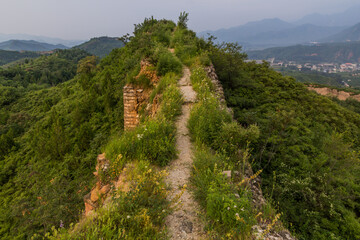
x=183 y=223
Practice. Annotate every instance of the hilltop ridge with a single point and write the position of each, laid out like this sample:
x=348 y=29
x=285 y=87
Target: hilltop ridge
x=127 y=115
x=101 y=46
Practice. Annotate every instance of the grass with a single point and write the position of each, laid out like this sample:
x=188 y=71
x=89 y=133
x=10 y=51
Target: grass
x=137 y=214
x=228 y=207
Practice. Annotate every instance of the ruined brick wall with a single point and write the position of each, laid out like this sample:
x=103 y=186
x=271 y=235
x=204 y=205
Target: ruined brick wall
x=218 y=89
x=131 y=115
x=135 y=97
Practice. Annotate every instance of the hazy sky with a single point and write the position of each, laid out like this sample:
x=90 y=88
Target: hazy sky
x=82 y=19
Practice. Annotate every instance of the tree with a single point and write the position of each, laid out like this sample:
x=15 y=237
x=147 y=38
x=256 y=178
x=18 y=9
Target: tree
x=183 y=19
x=86 y=68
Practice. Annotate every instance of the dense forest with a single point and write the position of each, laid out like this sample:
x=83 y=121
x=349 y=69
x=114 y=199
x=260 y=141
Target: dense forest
x=59 y=111
x=11 y=56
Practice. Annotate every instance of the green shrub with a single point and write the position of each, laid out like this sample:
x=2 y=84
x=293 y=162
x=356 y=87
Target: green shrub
x=171 y=102
x=142 y=80
x=232 y=214
x=186 y=53
x=233 y=137
x=311 y=142
x=183 y=37
x=131 y=76
x=154 y=141
x=204 y=59
x=205 y=163
x=168 y=63
x=206 y=120
x=201 y=83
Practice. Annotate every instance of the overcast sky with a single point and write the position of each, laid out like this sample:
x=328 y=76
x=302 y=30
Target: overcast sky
x=82 y=19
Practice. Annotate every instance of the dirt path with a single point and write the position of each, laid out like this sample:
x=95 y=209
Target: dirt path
x=183 y=222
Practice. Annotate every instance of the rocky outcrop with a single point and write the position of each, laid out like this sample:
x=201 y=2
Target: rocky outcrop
x=98 y=192
x=341 y=95
x=103 y=187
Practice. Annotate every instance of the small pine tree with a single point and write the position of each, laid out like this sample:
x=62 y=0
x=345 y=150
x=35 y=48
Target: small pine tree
x=183 y=19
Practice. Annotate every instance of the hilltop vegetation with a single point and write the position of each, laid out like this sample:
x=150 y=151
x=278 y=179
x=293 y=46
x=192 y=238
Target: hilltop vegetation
x=304 y=146
x=101 y=46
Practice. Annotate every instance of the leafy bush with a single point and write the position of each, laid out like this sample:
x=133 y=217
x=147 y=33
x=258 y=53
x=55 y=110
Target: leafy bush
x=201 y=83
x=233 y=137
x=205 y=163
x=186 y=53
x=168 y=63
x=154 y=141
x=171 y=103
x=183 y=19
x=188 y=47
x=233 y=214
x=206 y=119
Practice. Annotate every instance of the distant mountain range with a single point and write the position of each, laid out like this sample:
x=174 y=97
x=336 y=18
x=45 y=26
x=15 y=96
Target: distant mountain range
x=276 y=32
x=346 y=18
x=318 y=53
x=15 y=50
x=101 y=46
x=29 y=45
x=67 y=43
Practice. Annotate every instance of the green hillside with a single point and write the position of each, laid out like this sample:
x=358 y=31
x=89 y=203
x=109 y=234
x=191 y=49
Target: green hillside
x=59 y=112
x=308 y=147
x=50 y=135
x=101 y=46
x=319 y=53
x=11 y=56
x=330 y=79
